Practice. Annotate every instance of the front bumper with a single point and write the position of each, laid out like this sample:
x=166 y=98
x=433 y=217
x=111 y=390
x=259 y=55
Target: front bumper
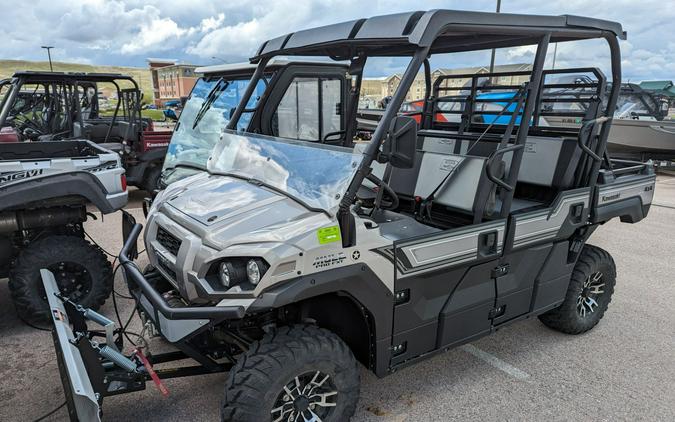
x=173 y=323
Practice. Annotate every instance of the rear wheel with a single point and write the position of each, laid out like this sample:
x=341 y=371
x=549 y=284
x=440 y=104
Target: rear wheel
x=588 y=295
x=81 y=270
x=298 y=373
x=151 y=179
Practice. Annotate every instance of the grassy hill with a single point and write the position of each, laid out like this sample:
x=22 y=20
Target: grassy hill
x=141 y=76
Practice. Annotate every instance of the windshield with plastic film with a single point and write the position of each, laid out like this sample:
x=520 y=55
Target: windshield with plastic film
x=204 y=116
x=316 y=175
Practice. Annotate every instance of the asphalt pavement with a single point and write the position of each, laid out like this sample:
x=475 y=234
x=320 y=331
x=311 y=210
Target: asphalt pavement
x=624 y=369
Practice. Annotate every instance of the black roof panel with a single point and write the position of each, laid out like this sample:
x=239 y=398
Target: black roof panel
x=70 y=76
x=448 y=30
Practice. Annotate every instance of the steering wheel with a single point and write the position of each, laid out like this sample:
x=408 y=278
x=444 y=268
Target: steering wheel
x=368 y=196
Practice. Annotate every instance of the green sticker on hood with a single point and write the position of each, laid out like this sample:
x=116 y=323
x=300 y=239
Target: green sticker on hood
x=328 y=234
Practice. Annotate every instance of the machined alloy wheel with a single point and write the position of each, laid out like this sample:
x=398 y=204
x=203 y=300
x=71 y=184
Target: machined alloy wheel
x=309 y=397
x=588 y=298
x=296 y=373
x=588 y=294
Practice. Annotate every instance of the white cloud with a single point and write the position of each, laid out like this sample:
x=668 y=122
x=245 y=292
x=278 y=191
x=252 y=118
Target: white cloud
x=156 y=36
x=127 y=31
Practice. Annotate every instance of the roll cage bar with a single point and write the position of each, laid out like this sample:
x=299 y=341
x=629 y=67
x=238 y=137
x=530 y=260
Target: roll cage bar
x=129 y=98
x=420 y=34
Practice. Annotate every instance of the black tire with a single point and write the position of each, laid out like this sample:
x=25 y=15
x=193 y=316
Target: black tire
x=151 y=179
x=576 y=315
x=256 y=384
x=69 y=257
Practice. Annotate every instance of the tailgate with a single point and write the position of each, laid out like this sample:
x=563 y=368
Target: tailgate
x=625 y=192
x=80 y=396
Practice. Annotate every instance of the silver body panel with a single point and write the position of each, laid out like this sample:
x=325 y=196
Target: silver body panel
x=541 y=225
x=106 y=166
x=262 y=224
x=622 y=189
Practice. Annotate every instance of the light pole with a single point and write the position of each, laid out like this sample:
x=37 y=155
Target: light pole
x=555 y=53
x=492 y=58
x=49 y=54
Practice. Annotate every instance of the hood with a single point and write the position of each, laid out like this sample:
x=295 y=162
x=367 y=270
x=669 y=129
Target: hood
x=216 y=198
x=222 y=210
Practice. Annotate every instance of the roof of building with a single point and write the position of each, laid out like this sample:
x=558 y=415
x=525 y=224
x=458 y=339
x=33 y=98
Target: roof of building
x=448 y=30
x=178 y=66
x=661 y=87
x=169 y=61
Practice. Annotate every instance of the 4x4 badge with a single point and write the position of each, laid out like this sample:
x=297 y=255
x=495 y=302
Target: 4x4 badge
x=356 y=255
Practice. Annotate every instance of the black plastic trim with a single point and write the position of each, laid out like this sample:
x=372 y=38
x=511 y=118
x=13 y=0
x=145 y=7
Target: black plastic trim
x=136 y=279
x=78 y=183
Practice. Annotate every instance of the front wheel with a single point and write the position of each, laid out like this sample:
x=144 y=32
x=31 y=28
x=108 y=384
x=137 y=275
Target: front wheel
x=81 y=270
x=588 y=295
x=297 y=373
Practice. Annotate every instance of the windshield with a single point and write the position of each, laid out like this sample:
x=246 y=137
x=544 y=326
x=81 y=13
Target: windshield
x=205 y=115
x=314 y=174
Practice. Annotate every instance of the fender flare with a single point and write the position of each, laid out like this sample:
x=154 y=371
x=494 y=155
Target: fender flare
x=79 y=183
x=357 y=281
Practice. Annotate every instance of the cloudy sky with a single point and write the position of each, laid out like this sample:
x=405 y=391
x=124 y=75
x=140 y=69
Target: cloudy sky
x=126 y=32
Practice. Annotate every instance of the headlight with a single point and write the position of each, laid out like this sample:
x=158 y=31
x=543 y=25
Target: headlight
x=253 y=271
x=226 y=273
x=231 y=272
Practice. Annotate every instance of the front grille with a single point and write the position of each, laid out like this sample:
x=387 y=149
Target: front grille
x=166 y=267
x=169 y=241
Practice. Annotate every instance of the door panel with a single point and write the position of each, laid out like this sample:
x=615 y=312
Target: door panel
x=444 y=276
x=514 y=289
x=466 y=313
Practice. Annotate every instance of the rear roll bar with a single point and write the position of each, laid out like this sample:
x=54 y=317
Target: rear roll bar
x=134 y=276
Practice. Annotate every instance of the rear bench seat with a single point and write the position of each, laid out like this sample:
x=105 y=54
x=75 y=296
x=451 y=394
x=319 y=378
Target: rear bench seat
x=547 y=162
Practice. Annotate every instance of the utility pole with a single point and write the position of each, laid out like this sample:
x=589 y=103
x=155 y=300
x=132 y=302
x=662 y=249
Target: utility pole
x=492 y=58
x=555 y=53
x=49 y=54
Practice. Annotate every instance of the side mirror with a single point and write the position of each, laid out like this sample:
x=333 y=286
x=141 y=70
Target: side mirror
x=399 y=148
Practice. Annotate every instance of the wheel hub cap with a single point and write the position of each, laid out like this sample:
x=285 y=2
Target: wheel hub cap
x=73 y=279
x=308 y=398
x=594 y=287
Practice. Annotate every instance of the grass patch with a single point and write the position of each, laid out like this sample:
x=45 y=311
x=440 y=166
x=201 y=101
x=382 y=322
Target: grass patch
x=157 y=115
x=142 y=76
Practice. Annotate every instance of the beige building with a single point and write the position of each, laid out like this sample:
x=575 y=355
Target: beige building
x=171 y=80
x=390 y=84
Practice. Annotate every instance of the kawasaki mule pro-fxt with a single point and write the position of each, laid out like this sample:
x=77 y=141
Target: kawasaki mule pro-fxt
x=289 y=261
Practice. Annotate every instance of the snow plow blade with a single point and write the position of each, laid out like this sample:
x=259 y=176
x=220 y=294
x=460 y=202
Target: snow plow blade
x=80 y=395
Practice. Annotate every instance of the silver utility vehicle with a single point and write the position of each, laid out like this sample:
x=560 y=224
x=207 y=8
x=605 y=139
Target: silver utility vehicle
x=290 y=260
x=45 y=188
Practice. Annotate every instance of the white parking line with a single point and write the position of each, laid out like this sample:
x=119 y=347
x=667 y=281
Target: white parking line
x=495 y=361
